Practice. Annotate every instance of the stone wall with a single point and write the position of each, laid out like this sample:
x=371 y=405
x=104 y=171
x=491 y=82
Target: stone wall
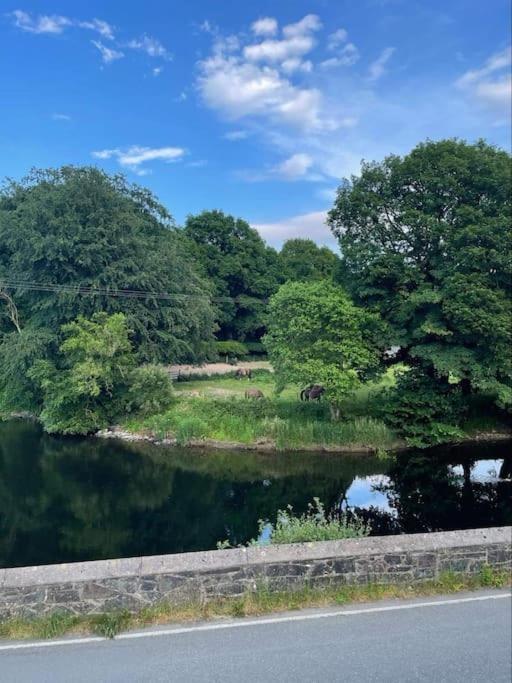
x=92 y=587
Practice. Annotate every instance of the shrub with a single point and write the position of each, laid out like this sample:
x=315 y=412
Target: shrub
x=231 y=348
x=314 y=525
x=150 y=390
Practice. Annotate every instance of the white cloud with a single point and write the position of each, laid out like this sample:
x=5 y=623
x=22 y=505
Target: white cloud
x=237 y=89
x=151 y=46
x=378 y=68
x=294 y=64
x=61 y=117
x=266 y=26
x=295 y=167
x=102 y=27
x=234 y=135
x=157 y=70
x=255 y=80
x=491 y=84
x=310 y=225
x=108 y=54
x=347 y=56
x=309 y=23
x=336 y=39
x=54 y=23
x=42 y=23
x=134 y=156
x=279 y=50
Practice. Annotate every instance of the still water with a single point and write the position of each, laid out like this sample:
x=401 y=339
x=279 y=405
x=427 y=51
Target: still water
x=66 y=500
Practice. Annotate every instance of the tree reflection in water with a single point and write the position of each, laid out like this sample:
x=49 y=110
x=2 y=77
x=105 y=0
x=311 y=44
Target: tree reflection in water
x=68 y=499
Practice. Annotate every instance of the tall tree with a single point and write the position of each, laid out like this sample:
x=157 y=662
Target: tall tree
x=317 y=336
x=74 y=230
x=304 y=260
x=243 y=269
x=426 y=239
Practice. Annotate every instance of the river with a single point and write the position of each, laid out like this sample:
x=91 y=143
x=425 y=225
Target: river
x=67 y=499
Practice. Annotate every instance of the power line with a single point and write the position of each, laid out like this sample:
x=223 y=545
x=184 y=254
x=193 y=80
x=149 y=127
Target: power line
x=120 y=293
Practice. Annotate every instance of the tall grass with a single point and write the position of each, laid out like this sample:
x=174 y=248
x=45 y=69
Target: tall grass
x=287 y=423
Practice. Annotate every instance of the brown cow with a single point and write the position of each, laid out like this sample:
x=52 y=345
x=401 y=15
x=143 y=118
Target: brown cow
x=254 y=393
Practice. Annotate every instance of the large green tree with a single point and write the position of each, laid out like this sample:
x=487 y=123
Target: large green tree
x=243 y=269
x=71 y=238
x=304 y=260
x=95 y=379
x=317 y=336
x=426 y=239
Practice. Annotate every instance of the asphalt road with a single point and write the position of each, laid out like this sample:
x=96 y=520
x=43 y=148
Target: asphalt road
x=459 y=638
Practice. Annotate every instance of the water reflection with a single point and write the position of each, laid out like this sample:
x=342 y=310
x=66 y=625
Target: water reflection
x=75 y=499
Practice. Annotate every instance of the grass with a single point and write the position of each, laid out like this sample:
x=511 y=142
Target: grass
x=216 y=409
x=258 y=602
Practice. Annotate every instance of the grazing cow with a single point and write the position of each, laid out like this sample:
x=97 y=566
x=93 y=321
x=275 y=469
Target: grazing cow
x=254 y=393
x=313 y=392
x=243 y=372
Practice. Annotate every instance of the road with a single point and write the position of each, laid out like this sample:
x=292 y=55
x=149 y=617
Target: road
x=452 y=638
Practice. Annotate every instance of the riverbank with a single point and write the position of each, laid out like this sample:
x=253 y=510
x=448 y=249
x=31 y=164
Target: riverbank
x=213 y=412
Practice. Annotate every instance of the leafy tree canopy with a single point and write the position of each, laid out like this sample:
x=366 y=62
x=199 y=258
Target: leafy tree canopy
x=79 y=227
x=243 y=269
x=426 y=239
x=316 y=335
x=95 y=379
x=304 y=260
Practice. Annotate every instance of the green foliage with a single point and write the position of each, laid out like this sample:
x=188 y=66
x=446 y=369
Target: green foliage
x=71 y=228
x=243 y=269
x=95 y=380
x=18 y=354
x=231 y=348
x=150 y=390
x=425 y=238
x=304 y=260
x=288 y=424
x=110 y=624
x=314 y=525
x=317 y=335
x=425 y=410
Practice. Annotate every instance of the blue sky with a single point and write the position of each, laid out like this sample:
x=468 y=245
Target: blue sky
x=258 y=109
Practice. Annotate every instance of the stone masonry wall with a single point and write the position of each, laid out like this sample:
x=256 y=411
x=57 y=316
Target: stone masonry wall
x=105 y=585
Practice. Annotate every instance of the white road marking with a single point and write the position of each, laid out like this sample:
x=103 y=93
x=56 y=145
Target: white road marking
x=255 y=622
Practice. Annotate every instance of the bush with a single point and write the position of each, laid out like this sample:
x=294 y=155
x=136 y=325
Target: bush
x=255 y=348
x=150 y=390
x=313 y=525
x=424 y=411
x=231 y=348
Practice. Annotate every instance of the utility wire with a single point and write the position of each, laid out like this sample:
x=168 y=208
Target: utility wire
x=119 y=293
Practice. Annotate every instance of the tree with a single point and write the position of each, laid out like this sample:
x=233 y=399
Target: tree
x=71 y=238
x=316 y=335
x=426 y=240
x=304 y=260
x=243 y=269
x=95 y=380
